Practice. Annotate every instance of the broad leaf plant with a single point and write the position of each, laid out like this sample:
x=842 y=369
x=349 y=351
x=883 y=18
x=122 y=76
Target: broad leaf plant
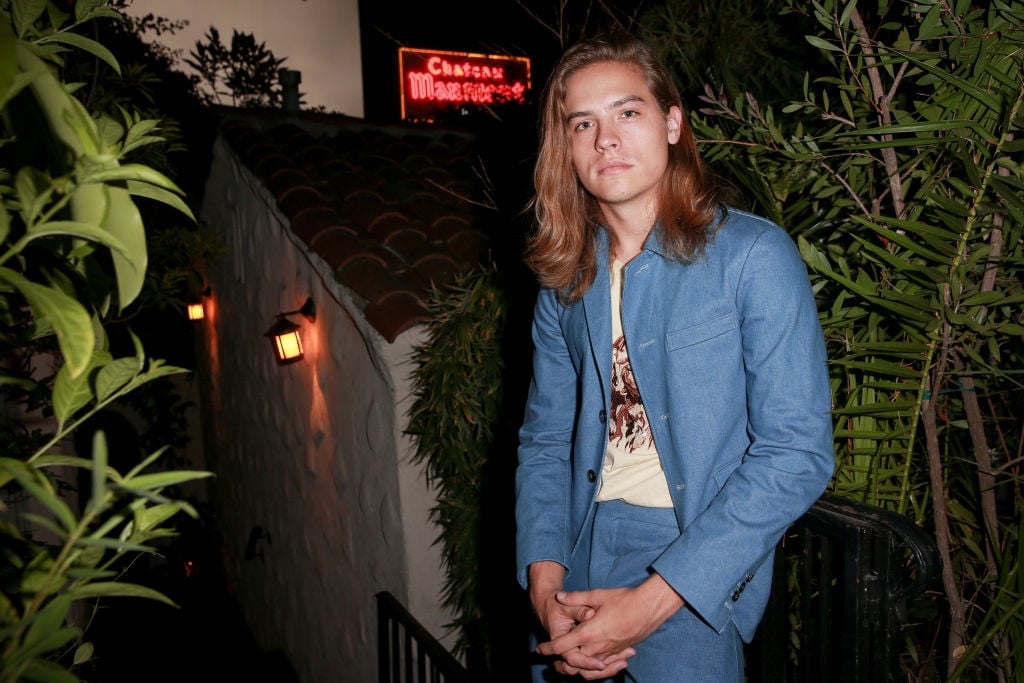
x=72 y=251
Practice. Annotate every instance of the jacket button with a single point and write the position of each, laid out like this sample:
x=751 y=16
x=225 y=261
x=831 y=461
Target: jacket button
x=602 y=416
x=750 y=577
x=735 y=596
x=591 y=476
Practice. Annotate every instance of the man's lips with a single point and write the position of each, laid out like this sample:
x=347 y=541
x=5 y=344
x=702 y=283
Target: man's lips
x=613 y=167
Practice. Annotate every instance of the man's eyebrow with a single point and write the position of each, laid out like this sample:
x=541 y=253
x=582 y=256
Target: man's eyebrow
x=614 y=105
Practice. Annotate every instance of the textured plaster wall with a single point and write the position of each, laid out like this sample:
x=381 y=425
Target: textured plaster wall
x=312 y=452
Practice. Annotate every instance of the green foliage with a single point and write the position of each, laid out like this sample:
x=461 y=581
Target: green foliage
x=459 y=389
x=72 y=250
x=698 y=41
x=246 y=72
x=898 y=171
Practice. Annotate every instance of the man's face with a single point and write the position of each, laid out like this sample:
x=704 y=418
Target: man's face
x=618 y=136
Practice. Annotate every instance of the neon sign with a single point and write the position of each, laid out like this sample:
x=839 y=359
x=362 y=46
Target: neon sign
x=436 y=80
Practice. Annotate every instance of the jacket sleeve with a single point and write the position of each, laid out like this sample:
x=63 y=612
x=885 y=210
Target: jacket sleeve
x=543 y=478
x=790 y=458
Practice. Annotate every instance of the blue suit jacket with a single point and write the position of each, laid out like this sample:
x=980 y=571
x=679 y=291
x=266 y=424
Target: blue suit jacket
x=729 y=358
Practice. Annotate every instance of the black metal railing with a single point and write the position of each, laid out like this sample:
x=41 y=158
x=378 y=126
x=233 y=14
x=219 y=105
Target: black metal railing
x=845 y=572
x=407 y=653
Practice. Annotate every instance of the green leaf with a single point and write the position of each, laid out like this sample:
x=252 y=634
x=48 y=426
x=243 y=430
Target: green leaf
x=83 y=43
x=67 y=117
x=112 y=208
x=115 y=376
x=71 y=393
x=40 y=489
x=69 y=319
x=49 y=620
x=119 y=589
x=46 y=671
x=822 y=44
x=99 y=468
x=153 y=516
x=116 y=544
x=161 y=480
x=25 y=13
x=77 y=229
x=83 y=654
x=141 y=189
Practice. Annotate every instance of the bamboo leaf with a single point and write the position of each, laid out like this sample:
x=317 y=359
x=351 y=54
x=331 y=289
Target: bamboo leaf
x=159 y=480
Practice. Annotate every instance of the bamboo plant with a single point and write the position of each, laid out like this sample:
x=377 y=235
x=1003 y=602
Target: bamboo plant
x=899 y=174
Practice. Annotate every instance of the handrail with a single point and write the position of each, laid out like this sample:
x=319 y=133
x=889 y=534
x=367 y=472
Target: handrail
x=844 y=571
x=407 y=652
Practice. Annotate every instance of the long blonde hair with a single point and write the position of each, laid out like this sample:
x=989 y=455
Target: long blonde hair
x=561 y=251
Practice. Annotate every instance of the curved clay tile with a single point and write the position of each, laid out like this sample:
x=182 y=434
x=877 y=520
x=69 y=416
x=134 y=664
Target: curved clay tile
x=308 y=223
x=371 y=280
x=386 y=222
x=467 y=246
x=434 y=269
x=425 y=208
x=417 y=161
x=408 y=243
x=298 y=198
x=312 y=156
x=286 y=178
x=398 y=189
x=446 y=225
x=363 y=206
x=291 y=135
x=395 y=314
x=338 y=246
x=270 y=163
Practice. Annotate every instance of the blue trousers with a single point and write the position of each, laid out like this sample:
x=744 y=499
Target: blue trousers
x=626 y=540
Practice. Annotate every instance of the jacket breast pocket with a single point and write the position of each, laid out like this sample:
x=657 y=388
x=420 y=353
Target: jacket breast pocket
x=701 y=332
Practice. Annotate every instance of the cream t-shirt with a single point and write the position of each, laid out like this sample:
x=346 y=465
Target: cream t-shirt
x=632 y=469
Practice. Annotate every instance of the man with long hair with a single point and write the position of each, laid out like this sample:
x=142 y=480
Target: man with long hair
x=678 y=419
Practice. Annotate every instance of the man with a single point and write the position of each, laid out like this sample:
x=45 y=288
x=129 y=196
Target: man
x=678 y=418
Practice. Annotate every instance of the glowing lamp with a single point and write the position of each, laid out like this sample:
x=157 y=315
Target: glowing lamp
x=285 y=336
x=196 y=310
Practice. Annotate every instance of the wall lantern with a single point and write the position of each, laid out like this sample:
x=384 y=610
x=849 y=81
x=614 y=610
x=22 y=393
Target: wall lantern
x=197 y=309
x=285 y=334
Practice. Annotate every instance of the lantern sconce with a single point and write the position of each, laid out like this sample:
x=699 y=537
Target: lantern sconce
x=285 y=334
x=197 y=309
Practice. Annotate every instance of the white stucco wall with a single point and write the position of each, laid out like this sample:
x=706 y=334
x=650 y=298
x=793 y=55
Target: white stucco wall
x=313 y=452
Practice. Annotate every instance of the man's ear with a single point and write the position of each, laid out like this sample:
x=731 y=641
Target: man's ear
x=673 y=122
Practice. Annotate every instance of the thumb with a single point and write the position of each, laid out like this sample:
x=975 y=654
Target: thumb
x=573 y=598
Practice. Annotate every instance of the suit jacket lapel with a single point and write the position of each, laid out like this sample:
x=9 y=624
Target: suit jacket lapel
x=597 y=311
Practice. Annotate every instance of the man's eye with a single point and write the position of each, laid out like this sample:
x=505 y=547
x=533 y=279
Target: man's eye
x=582 y=125
x=629 y=113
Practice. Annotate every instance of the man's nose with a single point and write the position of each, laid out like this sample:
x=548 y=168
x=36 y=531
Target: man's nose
x=606 y=138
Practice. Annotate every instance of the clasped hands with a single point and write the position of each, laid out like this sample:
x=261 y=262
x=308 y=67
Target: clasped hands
x=593 y=632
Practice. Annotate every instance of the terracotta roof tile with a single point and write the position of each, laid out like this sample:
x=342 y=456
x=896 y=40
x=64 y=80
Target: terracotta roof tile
x=298 y=198
x=384 y=206
x=395 y=314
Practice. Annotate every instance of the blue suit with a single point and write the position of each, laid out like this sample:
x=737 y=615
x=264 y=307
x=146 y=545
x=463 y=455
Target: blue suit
x=729 y=358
